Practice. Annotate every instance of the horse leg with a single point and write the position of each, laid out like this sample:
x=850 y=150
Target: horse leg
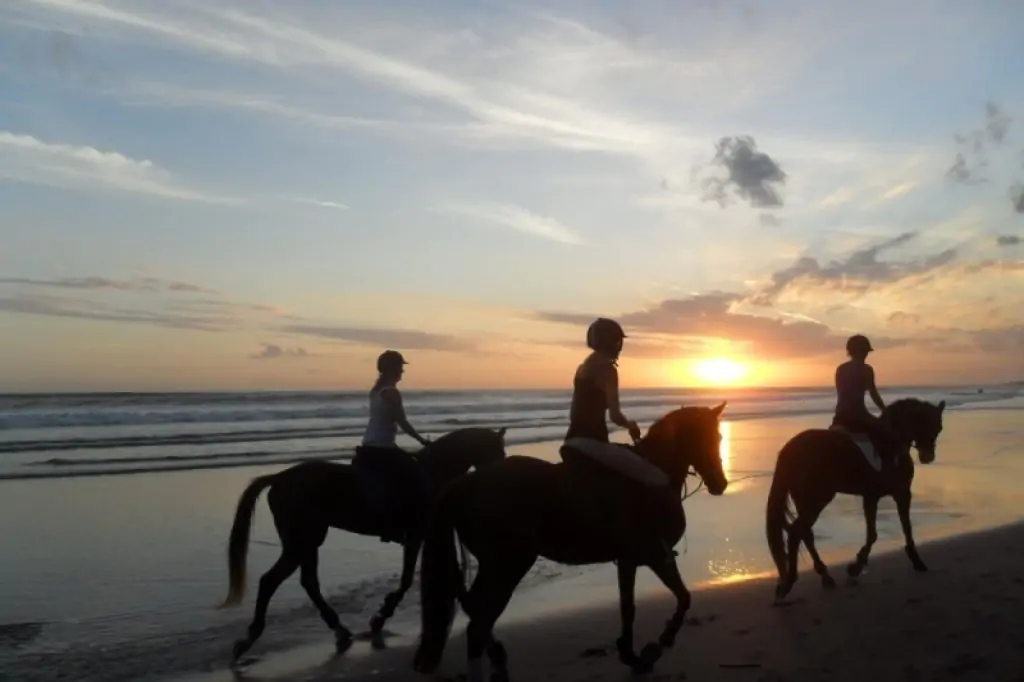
x=668 y=573
x=310 y=581
x=627 y=609
x=807 y=520
x=871 y=521
x=903 y=509
x=271 y=580
x=487 y=598
x=410 y=553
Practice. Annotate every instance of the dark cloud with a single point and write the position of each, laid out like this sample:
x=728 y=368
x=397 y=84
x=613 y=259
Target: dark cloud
x=383 y=338
x=1017 y=196
x=142 y=284
x=272 y=351
x=710 y=316
x=769 y=220
x=856 y=273
x=1001 y=339
x=1007 y=240
x=976 y=145
x=752 y=175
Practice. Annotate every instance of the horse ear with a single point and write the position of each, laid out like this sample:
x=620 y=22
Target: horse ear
x=720 y=408
x=942 y=405
x=502 y=430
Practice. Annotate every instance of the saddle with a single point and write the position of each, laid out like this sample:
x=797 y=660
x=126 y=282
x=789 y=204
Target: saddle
x=395 y=489
x=864 y=443
x=637 y=515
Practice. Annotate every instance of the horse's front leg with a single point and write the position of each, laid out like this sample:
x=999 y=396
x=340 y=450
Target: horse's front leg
x=668 y=573
x=410 y=553
x=871 y=522
x=903 y=509
x=627 y=609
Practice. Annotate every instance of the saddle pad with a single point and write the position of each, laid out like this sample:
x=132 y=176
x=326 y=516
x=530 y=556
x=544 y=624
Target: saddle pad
x=620 y=459
x=863 y=442
x=380 y=489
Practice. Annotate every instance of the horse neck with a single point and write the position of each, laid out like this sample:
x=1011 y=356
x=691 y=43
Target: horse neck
x=900 y=418
x=657 y=453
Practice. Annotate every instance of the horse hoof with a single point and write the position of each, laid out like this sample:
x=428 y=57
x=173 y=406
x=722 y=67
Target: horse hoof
x=920 y=567
x=343 y=640
x=423 y=665
x=783 y=589
x=499 y=675
x=239 y=649
x=377 y=623
x=650 y=654
x=828 y=582
x=854 y=569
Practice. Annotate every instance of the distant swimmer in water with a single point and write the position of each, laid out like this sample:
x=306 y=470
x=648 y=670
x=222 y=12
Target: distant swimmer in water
x=854 y=378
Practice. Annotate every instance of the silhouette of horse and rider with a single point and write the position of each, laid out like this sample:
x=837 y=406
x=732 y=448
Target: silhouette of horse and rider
x=604 y=502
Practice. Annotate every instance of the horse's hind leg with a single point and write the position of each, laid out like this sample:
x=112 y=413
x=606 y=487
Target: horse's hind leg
x=310 y=580
x=807 y=527
x=271 y=580
x=486 y=601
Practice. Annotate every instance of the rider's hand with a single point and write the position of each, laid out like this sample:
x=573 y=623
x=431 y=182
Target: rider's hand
x=634 y=431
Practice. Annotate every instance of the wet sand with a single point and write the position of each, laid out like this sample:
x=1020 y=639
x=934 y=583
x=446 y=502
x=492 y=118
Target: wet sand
x=960 y=621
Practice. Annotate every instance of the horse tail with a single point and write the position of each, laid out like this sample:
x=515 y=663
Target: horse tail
x=442 y=580
x=238 y=544
x=777 y=516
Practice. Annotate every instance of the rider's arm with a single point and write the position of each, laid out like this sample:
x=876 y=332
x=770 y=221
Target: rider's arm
x=393 y=399
x=872 y=391
x=610 y=381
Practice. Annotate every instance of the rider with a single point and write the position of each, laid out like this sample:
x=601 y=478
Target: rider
x=854 y=378
x=379 y=450
x=596 y=392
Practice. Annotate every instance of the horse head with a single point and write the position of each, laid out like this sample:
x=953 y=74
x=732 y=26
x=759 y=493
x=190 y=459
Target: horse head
x=687 y=437
x=918 y=423
x=456 y=452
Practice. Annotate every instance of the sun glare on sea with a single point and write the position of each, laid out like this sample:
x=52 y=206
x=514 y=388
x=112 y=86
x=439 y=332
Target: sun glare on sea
x=719 y=371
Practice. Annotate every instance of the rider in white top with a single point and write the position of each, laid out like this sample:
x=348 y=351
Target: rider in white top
x=379 y=452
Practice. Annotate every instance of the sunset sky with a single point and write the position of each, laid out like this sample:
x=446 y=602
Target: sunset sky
x=241 y=195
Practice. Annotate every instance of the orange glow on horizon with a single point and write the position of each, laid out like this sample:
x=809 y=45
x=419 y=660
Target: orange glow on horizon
x=719 y=371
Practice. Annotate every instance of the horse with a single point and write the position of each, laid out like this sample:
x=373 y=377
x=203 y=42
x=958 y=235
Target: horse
x=522 y=508
x=817 y=464
x=312 y=496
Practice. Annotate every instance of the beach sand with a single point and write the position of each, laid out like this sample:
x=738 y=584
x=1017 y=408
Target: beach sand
x=960 y=621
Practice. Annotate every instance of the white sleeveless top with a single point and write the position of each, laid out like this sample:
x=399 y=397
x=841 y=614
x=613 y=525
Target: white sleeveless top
x=381 y=428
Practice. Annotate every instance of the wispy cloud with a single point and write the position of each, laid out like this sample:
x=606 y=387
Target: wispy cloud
x=141 y=284
x=516 y=218
x=383 y=338
x=321 y=203
x=27 y=159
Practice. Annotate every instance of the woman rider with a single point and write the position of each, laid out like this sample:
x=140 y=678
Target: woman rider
x=854 y=378
x=596 y=392
x=379 y=452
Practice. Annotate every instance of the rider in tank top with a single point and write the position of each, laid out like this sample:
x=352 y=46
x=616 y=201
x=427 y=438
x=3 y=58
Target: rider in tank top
x=854 y=379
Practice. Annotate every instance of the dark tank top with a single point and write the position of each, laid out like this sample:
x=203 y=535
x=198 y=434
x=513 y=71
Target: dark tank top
x=587 y=412
x=851 y=385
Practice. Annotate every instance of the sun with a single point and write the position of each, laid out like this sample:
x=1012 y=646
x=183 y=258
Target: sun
x=719 y=371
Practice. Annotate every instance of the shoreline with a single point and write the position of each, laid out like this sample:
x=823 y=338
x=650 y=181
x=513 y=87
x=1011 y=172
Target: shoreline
x=954 y=622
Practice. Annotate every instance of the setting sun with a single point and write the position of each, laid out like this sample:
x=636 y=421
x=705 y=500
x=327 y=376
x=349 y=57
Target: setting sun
x=719 y=371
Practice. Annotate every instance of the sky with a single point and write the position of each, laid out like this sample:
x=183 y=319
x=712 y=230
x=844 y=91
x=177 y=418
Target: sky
x=266 y=194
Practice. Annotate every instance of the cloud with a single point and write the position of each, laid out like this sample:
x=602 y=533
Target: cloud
x=516 y=218
x=901 y=317
x=27 y=159
x=321 y=203
x=769 y=220
x=976 y=145
x=1017 y=196
x=753 y=175
x=143 y=284
x=383 y=338
x=1007 y=240
x=900 y=190
x=272 y=351
x=856 y=273
x=711 y=316
x=89 y=310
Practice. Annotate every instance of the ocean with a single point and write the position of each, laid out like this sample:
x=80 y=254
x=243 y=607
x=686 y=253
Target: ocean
x=115 y=509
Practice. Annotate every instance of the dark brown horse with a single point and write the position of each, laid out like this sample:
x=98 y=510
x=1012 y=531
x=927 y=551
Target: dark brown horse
x=816 y=465
x=512 y=513
x=310 y=497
